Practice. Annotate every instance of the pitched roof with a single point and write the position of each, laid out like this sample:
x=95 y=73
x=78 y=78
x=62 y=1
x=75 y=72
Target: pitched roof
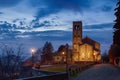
x=89 y=41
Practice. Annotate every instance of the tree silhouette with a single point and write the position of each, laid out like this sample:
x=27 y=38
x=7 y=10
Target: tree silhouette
x=61 y=48
x=11 y=61
x=47 y=51
x=114 y=51
x=105 y=57
x=47 y=48
x=116 y=37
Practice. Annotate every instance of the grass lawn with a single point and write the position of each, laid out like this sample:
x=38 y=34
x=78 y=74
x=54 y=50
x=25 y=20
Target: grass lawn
x=62 y=68
x=56 y=68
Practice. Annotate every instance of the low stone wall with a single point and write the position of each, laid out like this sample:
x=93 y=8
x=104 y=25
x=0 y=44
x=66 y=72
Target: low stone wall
x=74 y=70
x=58 y=76
x=43 y=72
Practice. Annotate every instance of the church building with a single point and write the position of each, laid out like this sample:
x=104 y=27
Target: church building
x=84 y=49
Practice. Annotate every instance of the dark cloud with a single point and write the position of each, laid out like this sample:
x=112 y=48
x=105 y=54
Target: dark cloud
x=8 y=3
x=62 y=4
x=104 y=5
x=57 y=35
x=45 y=11
x=36 y=24
x=54 y=6
x=69 y=4
x=1 y=12
x=106 y=8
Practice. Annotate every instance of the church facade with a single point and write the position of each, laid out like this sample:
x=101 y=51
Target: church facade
x=84 y=49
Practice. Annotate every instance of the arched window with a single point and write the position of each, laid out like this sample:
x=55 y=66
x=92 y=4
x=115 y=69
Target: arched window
x=77 y=27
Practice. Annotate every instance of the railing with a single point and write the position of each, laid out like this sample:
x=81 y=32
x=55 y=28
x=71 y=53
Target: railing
x=43 y=72
x=57 y=76
x=74 y=70
x=46 y=75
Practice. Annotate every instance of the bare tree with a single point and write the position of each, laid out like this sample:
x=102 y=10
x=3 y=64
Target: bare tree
x=11 y=61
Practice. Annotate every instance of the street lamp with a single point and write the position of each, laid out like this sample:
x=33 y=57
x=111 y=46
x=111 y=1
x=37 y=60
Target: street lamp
x=32 y=51
x=67 y=66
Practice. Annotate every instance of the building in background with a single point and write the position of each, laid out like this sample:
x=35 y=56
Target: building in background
x=60 y=56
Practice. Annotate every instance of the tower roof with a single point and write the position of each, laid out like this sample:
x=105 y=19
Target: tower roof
x=77 y=21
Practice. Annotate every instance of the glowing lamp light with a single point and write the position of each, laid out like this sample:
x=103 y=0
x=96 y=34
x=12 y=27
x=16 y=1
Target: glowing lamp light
x=32 y=50
x=63 y=53
x=95 y=53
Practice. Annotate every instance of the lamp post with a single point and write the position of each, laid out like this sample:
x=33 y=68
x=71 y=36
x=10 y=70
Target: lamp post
x=67 y=66
x=63 y=53
x=32 y=51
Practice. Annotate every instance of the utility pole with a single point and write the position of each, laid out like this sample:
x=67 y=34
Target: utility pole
x=67 y=65
x=33 y=53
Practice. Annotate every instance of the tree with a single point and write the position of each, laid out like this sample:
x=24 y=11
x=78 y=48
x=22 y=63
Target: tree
x=47 y=51
x=61 y=48
x=116 y=36
x=37 y=54
x=114 y=51
x=47 y=48
x=105 y=57
x=11 y=61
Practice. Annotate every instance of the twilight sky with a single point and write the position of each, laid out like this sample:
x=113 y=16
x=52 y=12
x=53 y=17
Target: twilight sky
x=37 y=21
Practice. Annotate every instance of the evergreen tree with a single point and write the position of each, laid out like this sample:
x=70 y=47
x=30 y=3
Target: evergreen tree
x=47 y=48
x=116 y=37
x=61 y=48
x=105 y=57
x=114 y=51
x=47 y=52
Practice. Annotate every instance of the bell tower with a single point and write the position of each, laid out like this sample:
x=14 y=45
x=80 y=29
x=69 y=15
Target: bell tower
x=77 y=38
x=77 y=32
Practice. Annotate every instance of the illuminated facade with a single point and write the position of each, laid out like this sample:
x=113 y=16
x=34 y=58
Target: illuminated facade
x=84 y=49
x=60 y=57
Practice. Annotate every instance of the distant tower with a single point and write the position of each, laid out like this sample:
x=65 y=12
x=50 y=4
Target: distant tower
x=77 y=38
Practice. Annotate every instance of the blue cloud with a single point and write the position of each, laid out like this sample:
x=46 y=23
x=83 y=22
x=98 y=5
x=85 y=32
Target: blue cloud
x=54 y=6
x=59 y=35
x=45 y=12
x=7 y=3
x=37 y=24
x=62 y=4
x=1 y=13
x=106 y=8
x=47 y=7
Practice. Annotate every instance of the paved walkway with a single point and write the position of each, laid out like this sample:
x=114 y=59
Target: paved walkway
x=100 y=72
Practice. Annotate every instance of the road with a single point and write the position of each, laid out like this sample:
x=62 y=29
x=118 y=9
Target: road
x=100 y=72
